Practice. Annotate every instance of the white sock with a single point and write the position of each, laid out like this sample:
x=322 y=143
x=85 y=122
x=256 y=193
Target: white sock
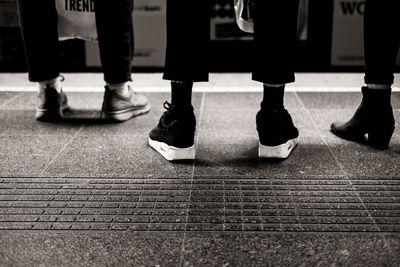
x=119 y=88
x=273 y=85
x=53 y=83
x=379 y=86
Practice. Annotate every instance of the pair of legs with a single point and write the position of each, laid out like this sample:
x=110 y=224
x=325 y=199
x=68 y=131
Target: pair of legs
x=38 y=21
x=188 y=31
x=381 y=44
x=188 y=25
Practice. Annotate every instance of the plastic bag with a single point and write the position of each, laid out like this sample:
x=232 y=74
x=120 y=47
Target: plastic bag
x=76 y=19
x=244 y=10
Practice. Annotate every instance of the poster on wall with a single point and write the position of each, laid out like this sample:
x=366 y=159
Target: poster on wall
x=149 y=18
x=347 y=33
x=8 y=13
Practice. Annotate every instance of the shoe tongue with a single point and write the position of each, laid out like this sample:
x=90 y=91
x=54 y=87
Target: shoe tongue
x=176 y=112
x=170 y=116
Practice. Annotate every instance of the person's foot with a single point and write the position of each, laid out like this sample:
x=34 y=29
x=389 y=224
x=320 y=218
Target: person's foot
x=173 y=137
x=374 y=117
x=277 y=134
x=51 y=105
x=122 y=108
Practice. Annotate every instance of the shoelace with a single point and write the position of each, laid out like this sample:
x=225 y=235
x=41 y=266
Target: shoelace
x=181 y=110
x=173 y=112
x=168 y=114
x=168 y=106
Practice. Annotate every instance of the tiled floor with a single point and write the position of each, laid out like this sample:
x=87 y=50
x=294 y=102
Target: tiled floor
x=83 y=191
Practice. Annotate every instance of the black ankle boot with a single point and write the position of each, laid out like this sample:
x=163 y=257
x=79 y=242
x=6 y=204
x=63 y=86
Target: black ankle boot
x=374 y=117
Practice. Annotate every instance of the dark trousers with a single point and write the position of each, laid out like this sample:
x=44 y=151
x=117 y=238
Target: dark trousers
x=38 y=19
x=188 y=33
x=381 y=40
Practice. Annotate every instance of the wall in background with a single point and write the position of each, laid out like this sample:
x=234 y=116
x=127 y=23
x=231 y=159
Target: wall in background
x=330 y=38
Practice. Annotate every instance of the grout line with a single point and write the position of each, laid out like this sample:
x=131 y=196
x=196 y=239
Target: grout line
x=276 y=204
x=241 y=206
x=328 y=216
x=131 y=180
x=320 y=209
x=301 y=188
x=192 y=177
x=347 y=176
x=116 y=209
x=66 y=145
x=224 y=210
x=75 y=221
x=153 y=207
x=202 y=89
x=181 y=202
x=10 y=100
x=259 y=207
x=62 y=150
x=123 y=231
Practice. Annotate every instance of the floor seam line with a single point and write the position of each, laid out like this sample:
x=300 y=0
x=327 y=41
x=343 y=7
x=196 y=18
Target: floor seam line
x=192 y=176
x=347 y=176
x=10 y=100
x=66 y=145
x=62 y=150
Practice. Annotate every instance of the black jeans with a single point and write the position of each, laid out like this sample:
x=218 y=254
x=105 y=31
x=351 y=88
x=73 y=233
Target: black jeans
x=38 y=19
x=381 y=40
x=188 y=33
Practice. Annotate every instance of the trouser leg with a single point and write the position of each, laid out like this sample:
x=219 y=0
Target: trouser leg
x=381 y=40
x=275 y=28
x=188 y=34
x=38 y=20
x=115 y=35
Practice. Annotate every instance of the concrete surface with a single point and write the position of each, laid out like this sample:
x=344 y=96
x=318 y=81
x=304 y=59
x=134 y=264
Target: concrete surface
x=83 y=192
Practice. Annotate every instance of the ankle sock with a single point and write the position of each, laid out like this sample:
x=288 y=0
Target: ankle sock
x=378 y=86
x=53 y=83
x=273 y=97
x=181 y=94
x=119 y=88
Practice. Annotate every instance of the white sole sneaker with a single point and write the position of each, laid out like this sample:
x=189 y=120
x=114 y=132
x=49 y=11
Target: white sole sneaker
x=126 y=114
x=172 y=153
x=281 y=152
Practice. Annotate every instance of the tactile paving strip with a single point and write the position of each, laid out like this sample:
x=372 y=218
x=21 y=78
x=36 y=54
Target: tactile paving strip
x=311 y=204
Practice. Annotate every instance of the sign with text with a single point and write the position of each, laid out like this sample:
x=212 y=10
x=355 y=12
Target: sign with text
x=347 y=33
x=149 y=18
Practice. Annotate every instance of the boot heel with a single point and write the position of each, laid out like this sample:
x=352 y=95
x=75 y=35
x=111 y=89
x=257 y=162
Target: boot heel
x=380 y=139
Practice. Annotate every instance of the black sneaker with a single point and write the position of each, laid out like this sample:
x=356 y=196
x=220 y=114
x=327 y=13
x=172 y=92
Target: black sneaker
x=121 y=108
x=173 y=137
x=51 y=105
x=277 y=133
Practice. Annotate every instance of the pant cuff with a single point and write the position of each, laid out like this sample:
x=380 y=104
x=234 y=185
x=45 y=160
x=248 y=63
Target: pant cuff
x=35 y=77
x=273 y=80
x=185 y=78
x=379 y=80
